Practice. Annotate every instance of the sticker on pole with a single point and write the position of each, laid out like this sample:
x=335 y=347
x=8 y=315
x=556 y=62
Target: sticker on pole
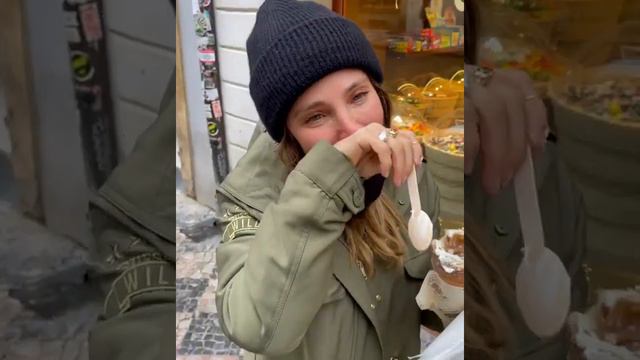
x=83 y=69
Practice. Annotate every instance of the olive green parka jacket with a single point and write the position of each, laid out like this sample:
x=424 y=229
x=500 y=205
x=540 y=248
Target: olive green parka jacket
x=288 y=288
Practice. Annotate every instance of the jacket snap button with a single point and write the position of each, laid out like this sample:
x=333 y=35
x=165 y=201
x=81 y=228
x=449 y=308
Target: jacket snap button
x=357 y=199
x=378 y=297
x=373 y=306
x=500 y=230
x=402 y=202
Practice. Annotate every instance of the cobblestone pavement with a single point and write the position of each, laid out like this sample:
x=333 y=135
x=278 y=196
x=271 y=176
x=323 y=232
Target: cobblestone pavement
x=198 y=333
x=45 y=309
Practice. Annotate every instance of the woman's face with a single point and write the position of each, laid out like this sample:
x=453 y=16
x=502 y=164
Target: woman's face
x=333 y=108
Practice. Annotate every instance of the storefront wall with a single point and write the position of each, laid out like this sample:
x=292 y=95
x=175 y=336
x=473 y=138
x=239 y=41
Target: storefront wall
x=142 y=58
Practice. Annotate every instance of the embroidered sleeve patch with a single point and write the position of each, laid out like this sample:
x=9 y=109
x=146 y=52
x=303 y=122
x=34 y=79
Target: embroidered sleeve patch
x=142 y=277
x=240 y=224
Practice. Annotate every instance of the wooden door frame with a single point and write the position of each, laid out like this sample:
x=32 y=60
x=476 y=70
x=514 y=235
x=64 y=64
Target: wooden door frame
x=182 y=123
x=47 y=156
x=16 y=75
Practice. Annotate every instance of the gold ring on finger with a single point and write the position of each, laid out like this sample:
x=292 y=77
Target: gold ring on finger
x=386 y=134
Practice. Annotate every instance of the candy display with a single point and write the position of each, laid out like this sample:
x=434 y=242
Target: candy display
x=453 y=143
x=439 y=104
x=616 y=100
x=539 y=64
x=442 y=37
x=444 y=29
x=408 y=44
x=418 y=127
x=520 y=37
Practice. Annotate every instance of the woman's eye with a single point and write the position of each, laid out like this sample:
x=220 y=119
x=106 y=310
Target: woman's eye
x=360 y=96
x=314 y=118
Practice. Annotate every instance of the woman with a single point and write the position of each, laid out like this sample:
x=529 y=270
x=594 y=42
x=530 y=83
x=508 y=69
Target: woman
x=315 y=261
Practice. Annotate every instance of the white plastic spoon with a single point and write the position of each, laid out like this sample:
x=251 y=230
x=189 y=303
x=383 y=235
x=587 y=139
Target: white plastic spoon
x=420 y=225
x=542 y=283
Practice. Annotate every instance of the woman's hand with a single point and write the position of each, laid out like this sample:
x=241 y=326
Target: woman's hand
x=371 y=156
x=502 y=118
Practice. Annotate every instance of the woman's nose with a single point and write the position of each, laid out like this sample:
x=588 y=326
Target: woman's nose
x=347 y=125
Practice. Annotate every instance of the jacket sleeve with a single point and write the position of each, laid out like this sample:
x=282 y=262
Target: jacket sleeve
x=273 y=275
x=136 y=278
x=138 y=283
x=133 y=221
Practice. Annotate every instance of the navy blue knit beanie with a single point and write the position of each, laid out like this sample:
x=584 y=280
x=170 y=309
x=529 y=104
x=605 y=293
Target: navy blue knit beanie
x=294 y=44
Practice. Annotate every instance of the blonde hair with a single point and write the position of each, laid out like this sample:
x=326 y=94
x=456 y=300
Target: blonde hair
x=376 y=233
x=488 y=331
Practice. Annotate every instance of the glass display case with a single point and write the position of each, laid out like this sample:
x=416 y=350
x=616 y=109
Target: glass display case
x=420 y=46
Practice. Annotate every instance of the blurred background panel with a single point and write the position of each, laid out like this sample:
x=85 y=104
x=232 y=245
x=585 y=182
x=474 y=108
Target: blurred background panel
x=80 y=80
x=584 y=59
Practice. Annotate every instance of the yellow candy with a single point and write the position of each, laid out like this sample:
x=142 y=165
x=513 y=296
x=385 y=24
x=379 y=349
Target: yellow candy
x=614 y=109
